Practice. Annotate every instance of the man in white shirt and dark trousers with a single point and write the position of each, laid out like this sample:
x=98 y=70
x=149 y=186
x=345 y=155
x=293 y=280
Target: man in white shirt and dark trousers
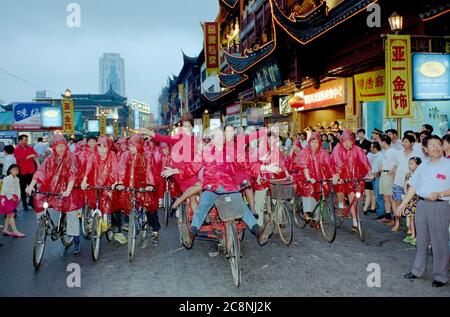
x=387 y=177
x=396 y=144
x=431 y=183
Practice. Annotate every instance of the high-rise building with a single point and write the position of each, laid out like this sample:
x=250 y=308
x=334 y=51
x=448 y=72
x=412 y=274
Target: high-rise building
x=112 y=73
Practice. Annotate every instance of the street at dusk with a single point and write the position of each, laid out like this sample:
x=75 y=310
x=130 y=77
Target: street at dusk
x=225 y=155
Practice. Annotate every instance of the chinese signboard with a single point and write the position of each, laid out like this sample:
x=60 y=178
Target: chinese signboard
x=102 y=125
x=398 y=77
x=205 y=121
x=431 y=76
x=68 y=116
x=51 y=117
x=211 y=30
x=370 y=86
x=267 y=78
x=330 y=93
x=116 y=130
x=27 y=116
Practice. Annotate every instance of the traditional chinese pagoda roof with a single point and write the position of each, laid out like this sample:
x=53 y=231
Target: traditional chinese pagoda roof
x=230 y=3
x=110 y=98
x=232 y=80
x=188 y=59
x=306 y=28
x=435 y=12
x=214 y=96
x=241 y=64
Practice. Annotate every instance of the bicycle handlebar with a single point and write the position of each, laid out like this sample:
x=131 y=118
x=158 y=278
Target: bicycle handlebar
x=136 y=190
x=48 y=193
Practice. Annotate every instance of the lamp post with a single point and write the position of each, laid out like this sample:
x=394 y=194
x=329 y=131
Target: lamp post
x=396 y=22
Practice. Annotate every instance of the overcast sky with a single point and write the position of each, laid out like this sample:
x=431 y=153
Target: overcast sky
x=37 y=45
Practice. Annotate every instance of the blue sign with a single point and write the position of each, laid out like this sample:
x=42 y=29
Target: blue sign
x=28 y=115
x=431 y=80
x=51 y=117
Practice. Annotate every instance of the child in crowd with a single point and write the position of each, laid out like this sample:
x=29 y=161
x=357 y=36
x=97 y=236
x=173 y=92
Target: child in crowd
x=9 y=200
x=410 y=210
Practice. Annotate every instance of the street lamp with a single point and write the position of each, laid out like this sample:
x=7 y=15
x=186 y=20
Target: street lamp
x=396 y=22
x=67 y=93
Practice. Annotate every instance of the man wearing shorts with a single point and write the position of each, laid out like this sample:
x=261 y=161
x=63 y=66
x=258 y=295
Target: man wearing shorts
x=387 y=177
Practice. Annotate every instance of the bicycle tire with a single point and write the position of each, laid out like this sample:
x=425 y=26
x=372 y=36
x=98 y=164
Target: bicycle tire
x=95 y=237
x=268 y=209
x=66 y=240
x=184 y=222
x=361 y=231
x=327 y=221
x=40 y=240
x=167 y=207
x=284 y=223
x=86 y=219
x=233 y=251
x=132 y=236
x=297 y=212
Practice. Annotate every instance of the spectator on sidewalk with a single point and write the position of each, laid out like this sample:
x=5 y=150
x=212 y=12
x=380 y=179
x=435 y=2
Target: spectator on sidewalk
x=376 y=158
x=42 y=150
x=362 y=142
x=387 y=177
x=26 y=159
x=10 y=159
x=431 y=183
x=396 y=144
x=9 y=200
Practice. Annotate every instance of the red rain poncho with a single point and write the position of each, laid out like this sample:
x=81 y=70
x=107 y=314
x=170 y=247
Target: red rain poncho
x=120 y=152
x=349 y=164
x=318 y=165
x=101 y=173
x=166 y=161
x=54 y=176
x=135 y=171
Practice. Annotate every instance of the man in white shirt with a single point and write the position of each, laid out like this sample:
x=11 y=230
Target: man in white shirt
x=431 y=183
x=396 y=144
x=375 y=162
x=42 y=150
x=401 y=168
x=387 y=177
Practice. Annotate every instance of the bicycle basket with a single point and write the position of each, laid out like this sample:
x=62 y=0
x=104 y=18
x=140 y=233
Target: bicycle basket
x=281 y=189
x=229 y=207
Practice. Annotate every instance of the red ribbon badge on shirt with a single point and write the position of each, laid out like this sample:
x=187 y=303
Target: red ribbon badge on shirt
x=441 y=176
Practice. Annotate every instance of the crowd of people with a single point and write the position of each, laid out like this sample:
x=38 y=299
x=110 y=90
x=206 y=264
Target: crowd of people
x=400 y=177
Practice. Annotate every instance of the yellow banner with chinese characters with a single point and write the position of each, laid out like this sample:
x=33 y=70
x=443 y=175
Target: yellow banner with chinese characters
x=398 y=77
x=68 y=116
x=102 y=125
x=116 y=130
x=205 y=121
x=370 y=86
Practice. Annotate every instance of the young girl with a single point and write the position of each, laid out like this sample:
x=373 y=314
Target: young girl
x=410 y=210
x=9 y=201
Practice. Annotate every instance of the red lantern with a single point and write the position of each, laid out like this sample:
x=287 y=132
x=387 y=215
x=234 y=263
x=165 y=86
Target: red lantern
x=296 y=102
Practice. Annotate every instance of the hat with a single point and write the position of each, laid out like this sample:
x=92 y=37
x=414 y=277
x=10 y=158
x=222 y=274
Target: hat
x=377 y=131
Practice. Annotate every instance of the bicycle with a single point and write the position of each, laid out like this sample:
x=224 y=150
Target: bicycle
x=101 y=224
x=86 y=222
x=281 y=190
x=45 y=224
x=324 y=217
x=226 y=229
x=137 y=223
x=167 y=203
x=357 y=201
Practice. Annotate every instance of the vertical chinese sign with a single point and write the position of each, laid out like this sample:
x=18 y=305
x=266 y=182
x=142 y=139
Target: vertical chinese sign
x=116 y=130
x=205 y=121
x=68 y=116
x=398 y=77
x=102 y=125
x=211 y=30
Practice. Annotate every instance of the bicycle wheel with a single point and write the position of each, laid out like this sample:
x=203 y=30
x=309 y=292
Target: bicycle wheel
x=167 y=207
x=96 y=236
x=86 y=222
x=183 y=227
x=327 y=221
x=297 y=212
x=39 y=242
x=361 y=232
x=132 y=235
x=283 y=222
x=66 y=240
x=267 y=212
x=233 y=251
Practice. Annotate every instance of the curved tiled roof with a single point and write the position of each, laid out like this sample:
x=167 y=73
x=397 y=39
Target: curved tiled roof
x=435 y=12
x=307 y=28
x=242 y=63
x=232 y=80
x=230 y=3
x=214 y=96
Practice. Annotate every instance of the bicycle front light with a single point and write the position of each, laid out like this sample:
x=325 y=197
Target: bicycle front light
x=358 y=195
x=45 y=205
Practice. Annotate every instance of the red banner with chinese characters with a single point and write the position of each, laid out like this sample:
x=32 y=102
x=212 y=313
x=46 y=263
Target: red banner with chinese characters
x=68 y=117
x=398 y=77
x=211 y=30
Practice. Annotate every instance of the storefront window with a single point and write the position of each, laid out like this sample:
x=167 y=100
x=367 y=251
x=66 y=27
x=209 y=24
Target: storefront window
x=435 y=113
x=373 y=115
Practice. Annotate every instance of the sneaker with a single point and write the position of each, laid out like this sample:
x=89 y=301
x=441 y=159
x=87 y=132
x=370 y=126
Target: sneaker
x=408 y=239
x=155 y=239
x=76 y=248
x=120 y=238
x=413 y=242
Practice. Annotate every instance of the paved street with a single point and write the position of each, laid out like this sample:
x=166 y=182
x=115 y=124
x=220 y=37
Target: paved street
x=309 y=267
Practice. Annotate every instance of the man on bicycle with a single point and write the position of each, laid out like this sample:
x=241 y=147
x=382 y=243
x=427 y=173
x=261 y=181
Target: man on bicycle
x=313 y=164
x=57 y=175
x=219 y=175
x=101 y=171
x=349 y=162
x=135 y=171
